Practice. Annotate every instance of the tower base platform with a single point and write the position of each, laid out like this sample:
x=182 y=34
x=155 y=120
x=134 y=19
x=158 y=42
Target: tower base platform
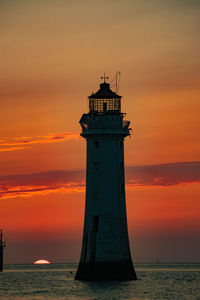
x=100 y=271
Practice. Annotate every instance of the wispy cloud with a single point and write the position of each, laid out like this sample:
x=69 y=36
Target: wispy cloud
x=27 y=185
x=28 y=191
x=21 y=143
x=70 y=181
x=8 y=149
x=163 y=175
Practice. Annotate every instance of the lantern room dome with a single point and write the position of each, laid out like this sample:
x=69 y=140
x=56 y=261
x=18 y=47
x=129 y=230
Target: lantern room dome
x=104 y=92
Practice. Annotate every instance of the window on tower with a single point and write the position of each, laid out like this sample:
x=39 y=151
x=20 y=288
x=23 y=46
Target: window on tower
x=95 y=225
x=122 y=188
x=96 y=165
x=96 y=144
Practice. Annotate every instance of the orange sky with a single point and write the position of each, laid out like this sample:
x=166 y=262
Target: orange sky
x=52 y=56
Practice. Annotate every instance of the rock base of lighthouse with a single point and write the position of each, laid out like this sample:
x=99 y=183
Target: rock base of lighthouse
x=105 y=271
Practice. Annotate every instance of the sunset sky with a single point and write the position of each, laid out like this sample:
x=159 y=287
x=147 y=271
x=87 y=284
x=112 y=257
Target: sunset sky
x=53 y=54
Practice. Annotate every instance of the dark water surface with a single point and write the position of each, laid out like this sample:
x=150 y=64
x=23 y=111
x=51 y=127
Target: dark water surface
x=56 y=281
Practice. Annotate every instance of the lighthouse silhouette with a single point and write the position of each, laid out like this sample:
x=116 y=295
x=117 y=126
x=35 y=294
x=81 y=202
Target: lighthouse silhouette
x=105 y=251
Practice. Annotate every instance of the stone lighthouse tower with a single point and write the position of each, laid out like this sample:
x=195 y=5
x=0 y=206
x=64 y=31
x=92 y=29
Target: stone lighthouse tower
x=105 y=251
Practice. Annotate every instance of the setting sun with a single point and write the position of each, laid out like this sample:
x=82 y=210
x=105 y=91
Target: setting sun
x=41 y=262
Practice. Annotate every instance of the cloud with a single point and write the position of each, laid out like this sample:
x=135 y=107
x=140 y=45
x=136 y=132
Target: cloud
x=21 y=143
x=8 y=149
x=163 y=175
x=26 y=185
x=28 y=191
x=70 y=181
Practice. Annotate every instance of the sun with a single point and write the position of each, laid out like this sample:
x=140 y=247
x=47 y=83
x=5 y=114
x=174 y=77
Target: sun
x=41 y=262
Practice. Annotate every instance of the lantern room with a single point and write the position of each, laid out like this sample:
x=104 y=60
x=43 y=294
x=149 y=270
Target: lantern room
x=104 y=100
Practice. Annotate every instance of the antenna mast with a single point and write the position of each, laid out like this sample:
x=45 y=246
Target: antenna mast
x=116 y=79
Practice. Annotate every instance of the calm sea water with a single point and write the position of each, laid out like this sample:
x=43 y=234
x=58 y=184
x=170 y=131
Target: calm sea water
x=56 y=281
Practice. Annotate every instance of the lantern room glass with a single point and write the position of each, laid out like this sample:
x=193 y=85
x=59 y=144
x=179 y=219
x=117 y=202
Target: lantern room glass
x=104 y=105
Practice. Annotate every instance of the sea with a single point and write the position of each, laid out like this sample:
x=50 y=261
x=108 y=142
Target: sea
x=56 y=281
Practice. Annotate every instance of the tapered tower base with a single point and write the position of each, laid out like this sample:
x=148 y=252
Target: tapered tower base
x=105 y=271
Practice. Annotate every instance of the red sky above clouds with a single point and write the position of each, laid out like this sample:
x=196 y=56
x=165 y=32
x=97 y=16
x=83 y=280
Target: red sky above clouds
x=53 y=54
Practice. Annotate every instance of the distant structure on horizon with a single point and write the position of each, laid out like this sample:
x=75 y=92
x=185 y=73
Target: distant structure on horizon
x=2 y=245
x=105 y=251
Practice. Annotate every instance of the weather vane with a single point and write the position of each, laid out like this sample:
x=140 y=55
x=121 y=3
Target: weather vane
x=104 y=77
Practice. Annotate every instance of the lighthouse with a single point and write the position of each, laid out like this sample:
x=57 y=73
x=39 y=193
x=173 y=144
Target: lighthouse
x=2 y=245
x=105 y=251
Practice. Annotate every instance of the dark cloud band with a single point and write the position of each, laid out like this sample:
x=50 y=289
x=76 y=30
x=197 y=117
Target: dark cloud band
x=162 y=175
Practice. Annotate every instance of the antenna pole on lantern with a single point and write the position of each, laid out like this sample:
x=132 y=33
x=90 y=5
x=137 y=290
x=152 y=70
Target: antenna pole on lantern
x=117 y=78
